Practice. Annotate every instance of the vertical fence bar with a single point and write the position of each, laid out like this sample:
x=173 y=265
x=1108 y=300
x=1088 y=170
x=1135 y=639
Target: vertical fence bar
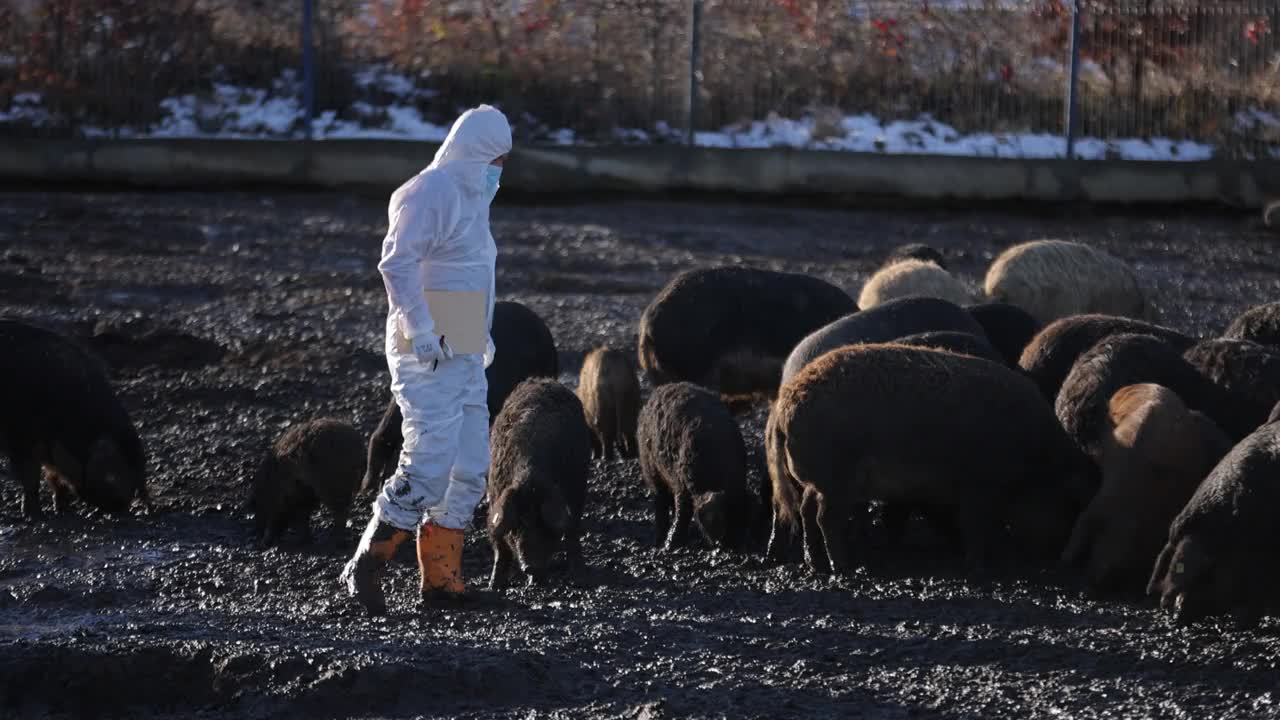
x=308 y=69
x=1073 y=78
x=695 y=37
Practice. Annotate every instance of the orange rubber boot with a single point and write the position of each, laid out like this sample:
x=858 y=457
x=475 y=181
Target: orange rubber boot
x=440 y=562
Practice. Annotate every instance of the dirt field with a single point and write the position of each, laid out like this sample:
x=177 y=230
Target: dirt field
x=275 y=313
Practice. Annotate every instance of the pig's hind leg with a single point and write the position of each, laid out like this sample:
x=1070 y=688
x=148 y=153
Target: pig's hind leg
x=27 y=469
x=815 y=552
x=832 y=518
x=503 y=559
x=680 y=526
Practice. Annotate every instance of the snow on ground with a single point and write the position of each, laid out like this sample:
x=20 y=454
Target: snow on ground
x=392 y=110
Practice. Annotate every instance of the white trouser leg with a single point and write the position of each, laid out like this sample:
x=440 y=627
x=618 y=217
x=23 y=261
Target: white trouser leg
x=471 y=463
x=431 y=403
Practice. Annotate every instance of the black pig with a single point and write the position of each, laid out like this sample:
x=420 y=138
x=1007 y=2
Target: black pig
x=319 y=461
x=1248 y=370
x=1222 y=547
x=61 y=414
x=694 y=462
x=1052 y=352
x=1260 y=323
x=537 y=480
x=914 y=251
x=1009 y=328
x=882 y=323
x=955 y=341
x=729 y=328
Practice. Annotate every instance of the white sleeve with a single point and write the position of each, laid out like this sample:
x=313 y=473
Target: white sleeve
x=416 y=227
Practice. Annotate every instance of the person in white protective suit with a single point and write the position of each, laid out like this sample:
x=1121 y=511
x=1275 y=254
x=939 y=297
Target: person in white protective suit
x=438 y=239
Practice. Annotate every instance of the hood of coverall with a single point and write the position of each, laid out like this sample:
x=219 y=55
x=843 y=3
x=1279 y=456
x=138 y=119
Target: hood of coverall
x=477 y=137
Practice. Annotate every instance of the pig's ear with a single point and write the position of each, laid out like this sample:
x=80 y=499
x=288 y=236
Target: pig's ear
x=500 y=514
x=555 y=513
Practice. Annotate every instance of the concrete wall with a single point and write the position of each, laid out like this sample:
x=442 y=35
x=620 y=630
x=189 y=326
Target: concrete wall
x=549 y=170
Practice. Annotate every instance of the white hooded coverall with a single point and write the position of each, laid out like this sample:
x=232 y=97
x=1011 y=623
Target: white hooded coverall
x=438 y=239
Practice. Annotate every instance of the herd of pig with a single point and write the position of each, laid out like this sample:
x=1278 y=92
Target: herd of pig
x=1042 y=419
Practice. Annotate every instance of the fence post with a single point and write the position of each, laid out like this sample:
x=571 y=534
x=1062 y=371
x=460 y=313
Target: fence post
x=695 y=37
x=1073 y=78
x=308 y=69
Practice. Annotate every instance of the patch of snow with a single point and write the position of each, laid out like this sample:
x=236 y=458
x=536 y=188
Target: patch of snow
x=26 y=109
x=631 y=135
x=395 y=84
x=865 y=133
x=402 y=123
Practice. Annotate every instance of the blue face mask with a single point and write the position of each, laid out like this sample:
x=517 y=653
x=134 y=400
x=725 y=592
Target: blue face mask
x=491 y=175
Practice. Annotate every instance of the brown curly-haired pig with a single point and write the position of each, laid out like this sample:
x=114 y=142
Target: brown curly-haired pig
x=318 y=461
x=694 y=461
x=1153 y=457
x=610 y=395
x=930 y=428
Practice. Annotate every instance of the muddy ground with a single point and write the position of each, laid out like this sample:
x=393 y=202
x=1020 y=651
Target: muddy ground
x=227 y=316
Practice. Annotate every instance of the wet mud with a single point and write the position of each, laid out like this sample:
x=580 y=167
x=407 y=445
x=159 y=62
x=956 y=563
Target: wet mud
x=226 y=317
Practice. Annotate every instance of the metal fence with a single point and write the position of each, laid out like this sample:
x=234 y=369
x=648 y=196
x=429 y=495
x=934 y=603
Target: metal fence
x=1152 y=78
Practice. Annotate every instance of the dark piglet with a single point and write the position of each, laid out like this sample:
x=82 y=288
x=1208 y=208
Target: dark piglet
x=1128 y=359
x=1249 y=371
x=610 y=395
x=1222 y=547
x=524 y=349
x=61 y=418
x=1260 y=324
x=694 y=461
x=961 y=436
x=882 y=323
x=955 y=341
x=914 y=251
x=1155 y=452
x=1054 y=350
x=1008 y=328
x=729 y=328
x=320 y=461
x=537 y=480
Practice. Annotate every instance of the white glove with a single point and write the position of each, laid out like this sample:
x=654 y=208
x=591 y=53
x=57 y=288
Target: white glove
x=489 y=352
x=430 y=349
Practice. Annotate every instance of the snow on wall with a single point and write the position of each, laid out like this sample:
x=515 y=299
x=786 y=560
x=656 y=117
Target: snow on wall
x=392 y=112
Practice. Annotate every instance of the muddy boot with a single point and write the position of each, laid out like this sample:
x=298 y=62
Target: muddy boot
x=363 y=573
x=440 y=563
